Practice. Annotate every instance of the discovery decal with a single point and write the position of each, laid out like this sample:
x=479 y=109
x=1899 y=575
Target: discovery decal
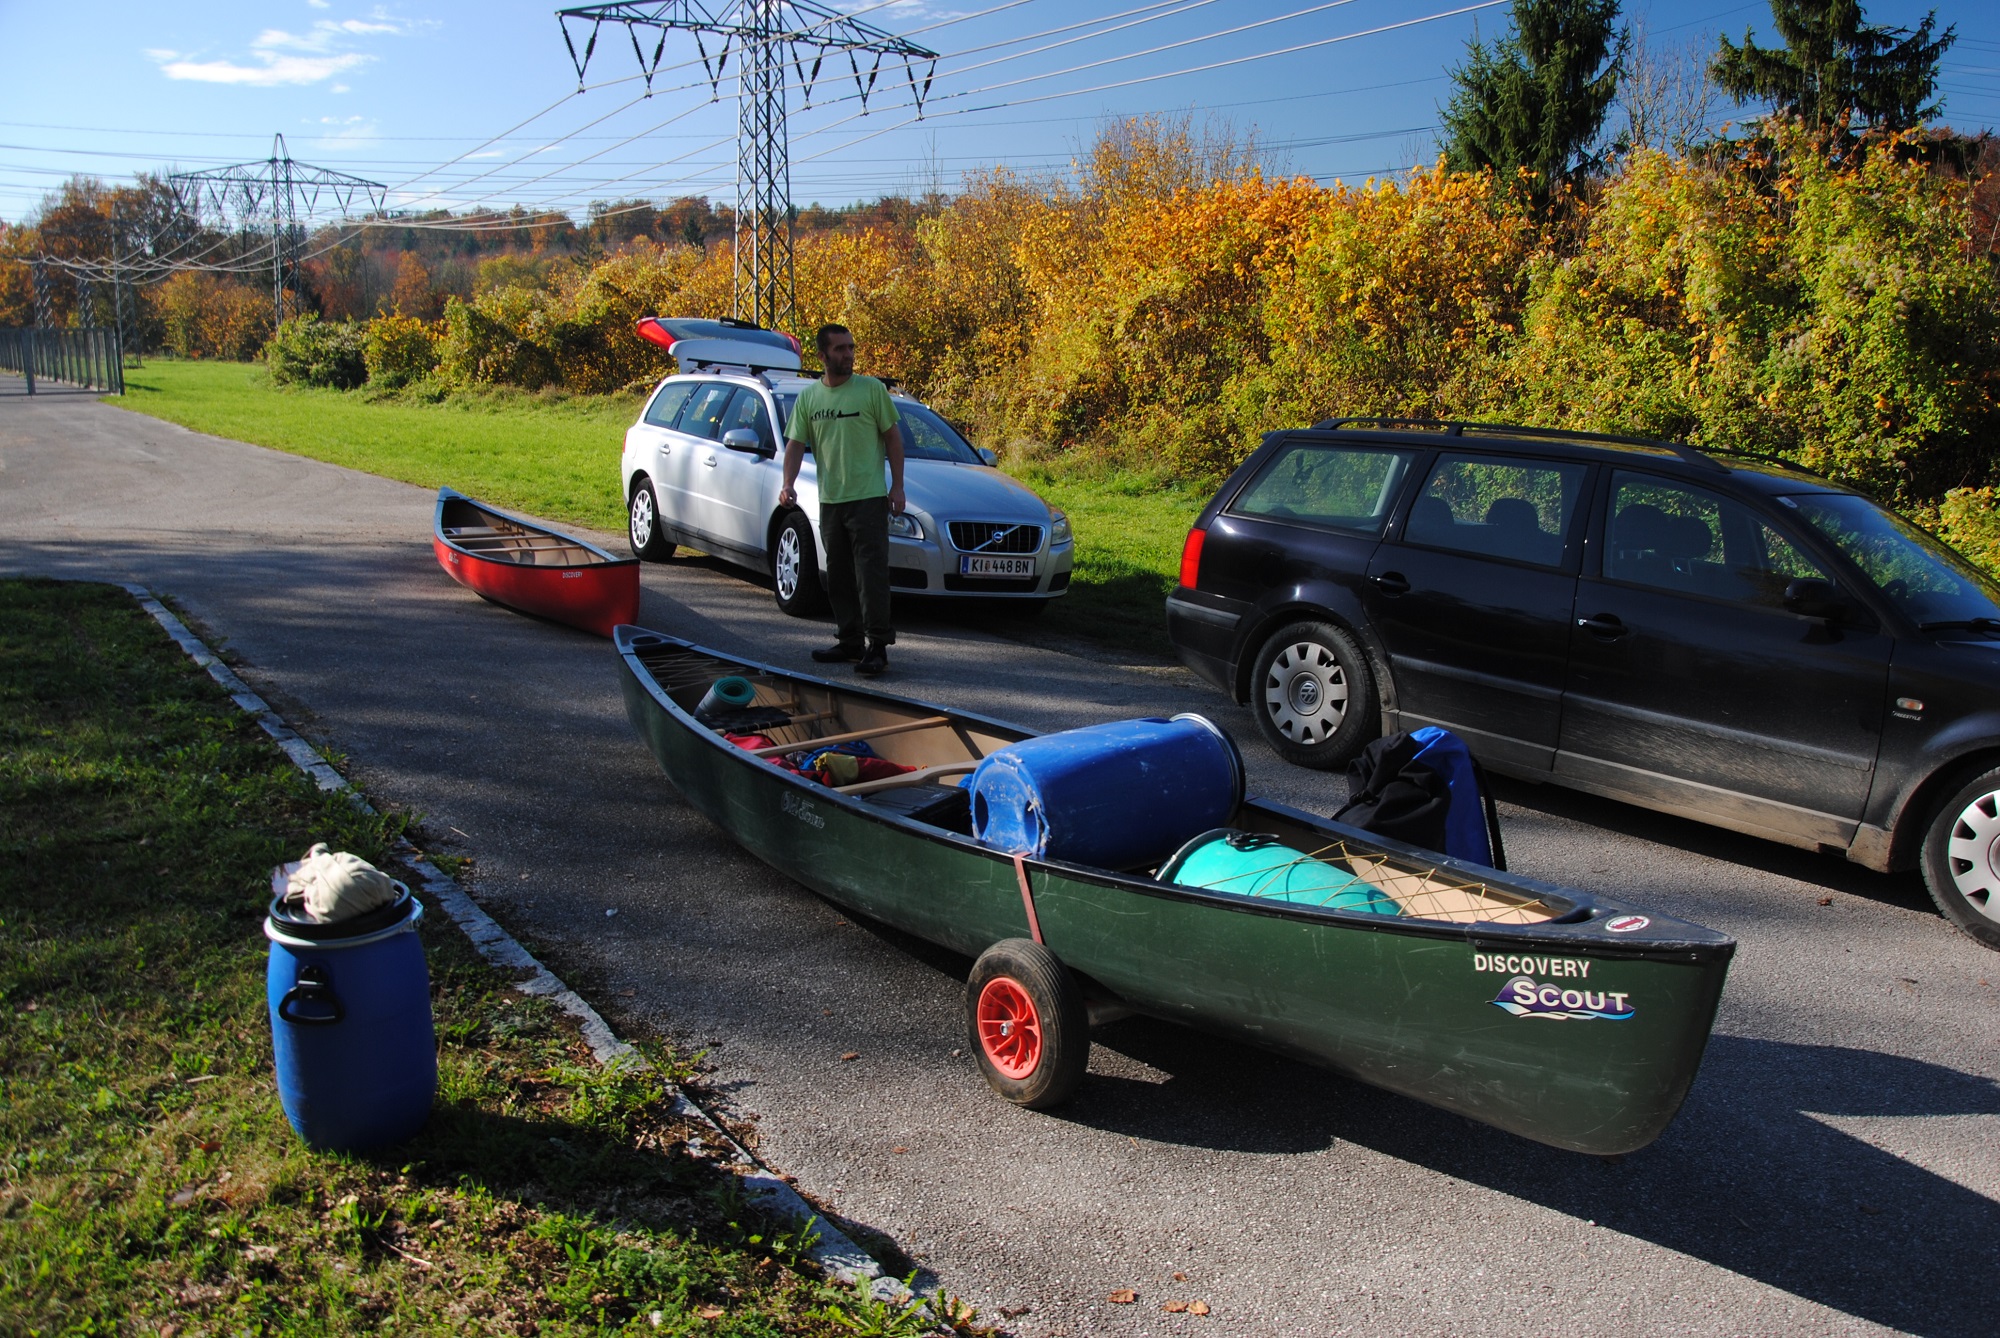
x=1524 y=997
x=1532 y=966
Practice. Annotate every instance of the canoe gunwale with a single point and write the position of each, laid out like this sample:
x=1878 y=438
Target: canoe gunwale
x=1574 y=935
x=446 y=495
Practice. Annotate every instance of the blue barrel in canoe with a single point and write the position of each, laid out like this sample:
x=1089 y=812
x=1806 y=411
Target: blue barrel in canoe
x=1122 y=795
x=1250 y=864
x=351 y=1029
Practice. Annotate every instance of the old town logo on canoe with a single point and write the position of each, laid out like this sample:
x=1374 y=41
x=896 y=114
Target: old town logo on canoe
x=1627 y=924
x=1524 y=997
x=801 y=809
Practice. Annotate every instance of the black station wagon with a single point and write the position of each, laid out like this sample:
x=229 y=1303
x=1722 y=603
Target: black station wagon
x=1728 y=638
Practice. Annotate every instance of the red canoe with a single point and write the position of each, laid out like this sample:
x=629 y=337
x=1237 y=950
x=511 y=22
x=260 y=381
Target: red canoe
x=532 y=569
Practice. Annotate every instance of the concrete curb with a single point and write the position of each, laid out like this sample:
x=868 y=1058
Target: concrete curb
x=837 y=1256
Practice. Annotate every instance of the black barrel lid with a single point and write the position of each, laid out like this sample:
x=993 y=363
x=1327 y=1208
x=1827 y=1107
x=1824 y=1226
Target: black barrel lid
x=368 y=922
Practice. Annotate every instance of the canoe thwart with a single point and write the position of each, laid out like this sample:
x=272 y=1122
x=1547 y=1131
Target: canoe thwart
x=921 y=776
x=853 y=736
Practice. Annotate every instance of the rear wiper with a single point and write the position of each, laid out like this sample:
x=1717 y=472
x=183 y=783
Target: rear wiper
x=1962 y=625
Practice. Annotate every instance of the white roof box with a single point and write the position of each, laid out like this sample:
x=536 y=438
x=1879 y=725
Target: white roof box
x=693 y=341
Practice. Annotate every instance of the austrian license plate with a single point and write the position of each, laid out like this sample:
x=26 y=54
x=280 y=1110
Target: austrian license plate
x=978 y=564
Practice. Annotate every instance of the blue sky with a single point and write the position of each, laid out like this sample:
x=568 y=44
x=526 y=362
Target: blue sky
x=429 y=97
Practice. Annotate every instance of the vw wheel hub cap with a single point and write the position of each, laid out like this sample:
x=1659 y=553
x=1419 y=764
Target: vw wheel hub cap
x=1973 y=853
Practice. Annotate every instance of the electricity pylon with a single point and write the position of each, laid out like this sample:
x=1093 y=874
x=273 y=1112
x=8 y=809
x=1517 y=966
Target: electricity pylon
x=766 y=37
x=281 y=192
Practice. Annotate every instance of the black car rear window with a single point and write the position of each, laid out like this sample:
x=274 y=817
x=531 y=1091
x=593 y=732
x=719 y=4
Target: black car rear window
x=1340 y=487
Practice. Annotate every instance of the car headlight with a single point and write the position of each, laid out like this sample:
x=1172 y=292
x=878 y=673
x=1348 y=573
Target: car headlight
x=1059 y=531
x=904 y=526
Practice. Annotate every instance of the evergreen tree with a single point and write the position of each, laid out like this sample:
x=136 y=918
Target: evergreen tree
x=1537 y=97
x=1834 y=70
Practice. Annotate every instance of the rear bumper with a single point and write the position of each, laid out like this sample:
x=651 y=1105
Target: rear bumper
x=1205 y=638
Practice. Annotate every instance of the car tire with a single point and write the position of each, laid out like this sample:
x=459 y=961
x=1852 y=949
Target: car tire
x=795 y=568
x=1027 y=1023
x=1313 y=695
x=642 y=525
x=1962 y=858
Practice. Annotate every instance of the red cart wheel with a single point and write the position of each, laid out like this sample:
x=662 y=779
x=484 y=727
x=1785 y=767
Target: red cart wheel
x=1027 y=1023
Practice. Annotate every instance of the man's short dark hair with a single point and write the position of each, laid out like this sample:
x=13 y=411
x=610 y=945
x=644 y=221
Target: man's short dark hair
x=825 y=335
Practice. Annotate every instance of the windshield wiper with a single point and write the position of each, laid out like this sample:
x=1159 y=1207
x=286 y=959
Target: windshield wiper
x=1962 y=625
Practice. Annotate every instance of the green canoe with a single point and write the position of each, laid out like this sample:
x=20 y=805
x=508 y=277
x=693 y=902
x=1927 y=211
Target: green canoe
x=1571 y=1021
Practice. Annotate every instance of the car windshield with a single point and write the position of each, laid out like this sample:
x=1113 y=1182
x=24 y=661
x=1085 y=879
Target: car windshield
x=925 y=435
x=1928 y=582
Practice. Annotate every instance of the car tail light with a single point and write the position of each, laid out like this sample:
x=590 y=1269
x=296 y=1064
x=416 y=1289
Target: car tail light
x=1191 y=557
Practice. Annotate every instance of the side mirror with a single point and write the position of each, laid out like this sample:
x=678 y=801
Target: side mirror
x=1814 y=598
x=989 y=455
x=744 y=439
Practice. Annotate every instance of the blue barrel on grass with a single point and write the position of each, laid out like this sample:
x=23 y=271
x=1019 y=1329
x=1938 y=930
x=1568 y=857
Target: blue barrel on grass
x=1122 y=795
x=351 y=1028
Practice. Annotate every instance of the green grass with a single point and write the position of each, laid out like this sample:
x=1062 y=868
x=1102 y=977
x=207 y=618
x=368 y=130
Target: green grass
x=550 y=455
x=557 y=457
x=148 y=1180
x=1129 y=528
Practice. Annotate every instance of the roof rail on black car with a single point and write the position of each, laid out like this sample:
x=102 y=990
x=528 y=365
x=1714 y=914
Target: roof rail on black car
x=1692 y=456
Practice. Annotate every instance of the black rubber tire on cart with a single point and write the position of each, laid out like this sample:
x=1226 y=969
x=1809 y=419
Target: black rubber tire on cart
x=795 y=568
x=642 y=525
x=1027 y=1024
x=1962 y=857
x=1313 y=695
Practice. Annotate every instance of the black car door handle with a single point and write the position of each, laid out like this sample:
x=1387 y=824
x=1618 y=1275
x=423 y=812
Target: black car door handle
x=1603 y=625
x=1392 y=583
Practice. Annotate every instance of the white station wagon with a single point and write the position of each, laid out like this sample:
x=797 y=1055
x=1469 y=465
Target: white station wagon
x=703 y=464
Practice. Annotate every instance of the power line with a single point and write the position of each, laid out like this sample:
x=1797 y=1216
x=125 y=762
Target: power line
x=1171 y=8
x=286 y=191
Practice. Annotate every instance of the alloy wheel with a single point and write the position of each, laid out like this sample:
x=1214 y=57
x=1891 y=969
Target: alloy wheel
x=642 y=517
x=785 y=568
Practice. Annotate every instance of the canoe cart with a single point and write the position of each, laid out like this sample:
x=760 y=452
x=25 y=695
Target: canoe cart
x=524 y=566
x=1573 y=1021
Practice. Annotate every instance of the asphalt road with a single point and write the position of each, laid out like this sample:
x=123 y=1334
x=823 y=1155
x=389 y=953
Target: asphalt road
x=1835 y=1170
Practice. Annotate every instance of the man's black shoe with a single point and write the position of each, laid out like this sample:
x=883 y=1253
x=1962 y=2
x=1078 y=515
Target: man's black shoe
x=837 y=654
x=874 y=662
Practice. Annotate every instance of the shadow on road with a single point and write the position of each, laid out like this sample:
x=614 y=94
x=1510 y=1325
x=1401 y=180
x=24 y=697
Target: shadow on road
x=1783 y=1197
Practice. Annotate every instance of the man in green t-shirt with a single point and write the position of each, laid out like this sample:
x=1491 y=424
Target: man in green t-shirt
x=850 y=424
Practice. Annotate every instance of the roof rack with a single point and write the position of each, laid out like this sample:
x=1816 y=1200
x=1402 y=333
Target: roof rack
x=1732 y=453
x=742 y=369
x=1454 y=428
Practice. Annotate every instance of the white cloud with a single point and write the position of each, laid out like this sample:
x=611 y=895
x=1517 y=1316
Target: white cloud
x=281 y=57
x=320 y=4
x=274 y=71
